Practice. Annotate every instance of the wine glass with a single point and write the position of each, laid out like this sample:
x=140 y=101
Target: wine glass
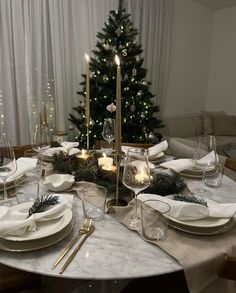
x=205 y=158
x=7 y=162
x=108 y=132
x=136 y=176
x=41 y=139
x=40 y=143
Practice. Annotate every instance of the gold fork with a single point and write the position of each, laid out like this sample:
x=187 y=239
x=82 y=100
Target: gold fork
x=83 y=230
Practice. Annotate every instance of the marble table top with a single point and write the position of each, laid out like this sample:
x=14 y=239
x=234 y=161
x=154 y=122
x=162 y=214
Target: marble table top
x=112 y=252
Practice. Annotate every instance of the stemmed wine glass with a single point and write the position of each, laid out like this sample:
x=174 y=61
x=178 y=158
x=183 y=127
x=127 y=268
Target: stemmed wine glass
x=136 y=176
x=108 y=132
x=7 y=162
x=40 y=143
x=205 y=158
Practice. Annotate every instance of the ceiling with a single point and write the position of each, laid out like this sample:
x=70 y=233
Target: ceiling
x=218 y=4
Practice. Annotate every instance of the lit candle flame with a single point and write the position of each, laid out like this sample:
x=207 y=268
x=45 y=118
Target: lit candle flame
x=117 y=60
x=87 y=57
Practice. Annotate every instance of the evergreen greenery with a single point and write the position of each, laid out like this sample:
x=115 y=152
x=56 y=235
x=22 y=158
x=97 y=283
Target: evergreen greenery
x=190 y=198
x=138 y=121
x=164 y=182
x=43 y=203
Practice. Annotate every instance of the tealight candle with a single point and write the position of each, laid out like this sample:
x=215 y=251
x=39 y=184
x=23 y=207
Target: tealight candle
x=109 y=167
x=142 y=177
x=105 y=160
x=83 y=155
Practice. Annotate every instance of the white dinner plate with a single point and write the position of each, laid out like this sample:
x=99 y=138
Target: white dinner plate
x=44 y=229
x=23 y=246
x=206 y=226
x=201 y=223
x=154 y=159
x=201 y=230
x=192 y=173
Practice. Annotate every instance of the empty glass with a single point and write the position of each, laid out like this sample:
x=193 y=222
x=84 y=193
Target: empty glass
x=27 y=189
x=93 y=200
x=213 y=176
x=154 y=224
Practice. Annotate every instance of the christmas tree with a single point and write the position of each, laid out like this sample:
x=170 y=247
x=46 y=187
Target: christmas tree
x=118 y=37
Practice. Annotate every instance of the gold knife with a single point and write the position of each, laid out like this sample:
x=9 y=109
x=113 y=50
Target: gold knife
x=92 y=229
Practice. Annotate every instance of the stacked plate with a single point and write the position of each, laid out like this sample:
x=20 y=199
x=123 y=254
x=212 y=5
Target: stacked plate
x=47 y=233
x=156 y=159
x=48 y=154
x=192 y=173
x=206 y=226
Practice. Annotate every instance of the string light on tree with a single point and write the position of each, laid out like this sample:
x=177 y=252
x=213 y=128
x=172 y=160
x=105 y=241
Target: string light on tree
x=118 y=37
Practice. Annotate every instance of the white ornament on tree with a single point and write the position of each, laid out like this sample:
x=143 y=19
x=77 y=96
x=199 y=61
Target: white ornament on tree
x=111 y=108
x=124 y=52
x=134 y=71
x=132 y=108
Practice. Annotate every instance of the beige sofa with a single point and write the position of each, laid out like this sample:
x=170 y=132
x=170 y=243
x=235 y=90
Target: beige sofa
x=182 y=131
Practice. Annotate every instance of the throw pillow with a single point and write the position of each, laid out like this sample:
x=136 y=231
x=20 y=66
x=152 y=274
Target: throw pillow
x=224 y=125
x=206 y=119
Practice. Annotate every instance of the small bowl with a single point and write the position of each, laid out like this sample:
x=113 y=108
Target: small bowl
x=59 y=182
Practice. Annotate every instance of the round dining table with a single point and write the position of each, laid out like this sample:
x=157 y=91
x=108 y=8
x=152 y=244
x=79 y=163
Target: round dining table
x=112 y=252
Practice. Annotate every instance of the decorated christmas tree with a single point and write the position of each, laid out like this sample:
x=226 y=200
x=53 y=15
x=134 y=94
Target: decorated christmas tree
x=139 y=123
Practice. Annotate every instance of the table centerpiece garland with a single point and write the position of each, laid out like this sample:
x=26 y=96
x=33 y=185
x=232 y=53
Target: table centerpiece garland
x=164 y=181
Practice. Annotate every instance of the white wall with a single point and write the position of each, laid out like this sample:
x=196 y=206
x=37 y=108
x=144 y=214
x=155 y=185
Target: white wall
x=191 y=45
x=221 y=92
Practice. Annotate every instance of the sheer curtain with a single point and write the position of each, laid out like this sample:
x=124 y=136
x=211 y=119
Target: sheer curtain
x=42 y=49
x=153 y=19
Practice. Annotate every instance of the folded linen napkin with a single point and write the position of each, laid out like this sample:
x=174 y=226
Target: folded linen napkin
x=152 y=151
x=184 y=164
x=14 y=220
x=22 y=165
x=56 y=150
x=192 y=211
x=68 y=145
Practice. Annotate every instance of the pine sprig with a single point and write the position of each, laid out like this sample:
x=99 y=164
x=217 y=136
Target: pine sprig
x=43 y=203
x=190 y=198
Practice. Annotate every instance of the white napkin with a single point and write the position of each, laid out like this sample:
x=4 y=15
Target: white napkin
x=56 y=150
x=152 y=151
x=22 y=165
x=178 y=165
x=14 y=221
x=184 y=164
x=68 y=145
x=157 y=149
x=191 y=211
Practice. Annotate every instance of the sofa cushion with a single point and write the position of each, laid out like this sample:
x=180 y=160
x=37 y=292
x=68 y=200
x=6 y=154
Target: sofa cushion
x=224 y=125
x=182 y=125
x=207 y=121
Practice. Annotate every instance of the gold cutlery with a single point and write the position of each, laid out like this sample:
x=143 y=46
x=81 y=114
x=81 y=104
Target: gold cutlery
x=83 y=230
x=92 y=229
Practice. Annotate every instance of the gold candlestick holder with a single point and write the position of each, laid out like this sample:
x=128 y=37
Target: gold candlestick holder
x=87 y=128
x=117 y=201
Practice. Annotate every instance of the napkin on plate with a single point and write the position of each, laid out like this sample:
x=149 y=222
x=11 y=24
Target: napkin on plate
x=22 y=165
x=185 y=164
x=14 y=220
x=56 y=150
x=153 y=151
x=68 y=145
x=186 y=211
